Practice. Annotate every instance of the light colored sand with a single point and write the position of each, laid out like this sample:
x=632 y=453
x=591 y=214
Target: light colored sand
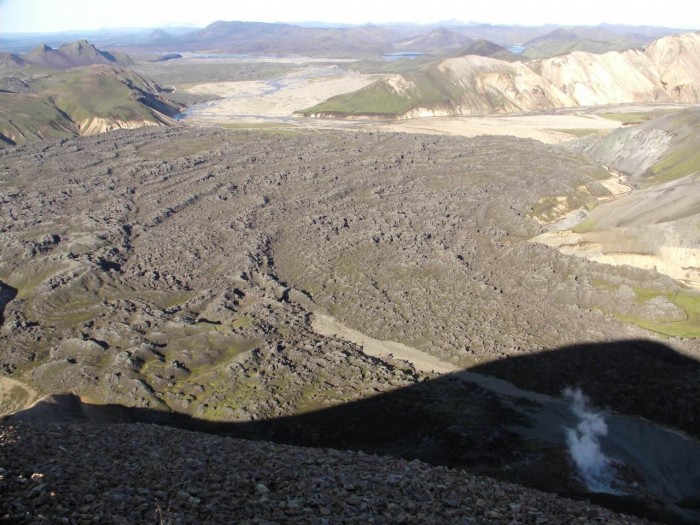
x=635 y=230
x=275 y=98
x=198 y=58
x=329 y=326
x=679 y=263
x=15 y=396
x=538 y=127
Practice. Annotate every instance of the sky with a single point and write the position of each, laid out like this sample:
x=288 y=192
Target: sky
x=44 y=16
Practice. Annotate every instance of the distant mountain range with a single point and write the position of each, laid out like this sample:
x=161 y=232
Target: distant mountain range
x=437 y=40
x=374 y=40
x=319 y=39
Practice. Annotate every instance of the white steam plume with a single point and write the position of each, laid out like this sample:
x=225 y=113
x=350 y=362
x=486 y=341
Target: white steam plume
x=584 y=444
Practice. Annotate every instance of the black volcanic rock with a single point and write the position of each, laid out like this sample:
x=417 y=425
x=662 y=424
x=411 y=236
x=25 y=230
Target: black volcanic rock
x=168 y=56
x=146 y=474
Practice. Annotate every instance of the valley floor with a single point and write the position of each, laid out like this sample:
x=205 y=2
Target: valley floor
x=272 y=103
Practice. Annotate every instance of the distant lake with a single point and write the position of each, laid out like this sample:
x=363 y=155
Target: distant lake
x=402 y=54
x=516 y=49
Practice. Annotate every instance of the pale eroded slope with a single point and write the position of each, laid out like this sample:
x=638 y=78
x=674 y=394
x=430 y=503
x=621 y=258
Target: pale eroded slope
x=668 y=70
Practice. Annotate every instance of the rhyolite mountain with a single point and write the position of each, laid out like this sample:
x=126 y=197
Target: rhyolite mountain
x=667 y=70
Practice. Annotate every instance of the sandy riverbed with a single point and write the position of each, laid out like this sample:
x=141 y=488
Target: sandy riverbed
x=328 y=326
x=278 y=98
x=549 y=129
x=274 y=101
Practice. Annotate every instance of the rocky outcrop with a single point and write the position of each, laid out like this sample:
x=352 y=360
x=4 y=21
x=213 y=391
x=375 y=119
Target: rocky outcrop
x=96 y=125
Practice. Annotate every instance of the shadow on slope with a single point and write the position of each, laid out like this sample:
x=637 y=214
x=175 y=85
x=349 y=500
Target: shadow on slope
x=635 y=377
x=7 y=293
x=489 y=426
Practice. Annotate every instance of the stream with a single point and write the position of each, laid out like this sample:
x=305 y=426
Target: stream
x=618 y=186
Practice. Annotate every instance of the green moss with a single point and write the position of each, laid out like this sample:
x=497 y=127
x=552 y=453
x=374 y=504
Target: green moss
x=13 y=400
x=83 y=94
x=27 y=117
x=577 y=132
x=208 y=374
x=27 y=277
x=378 y=99
x=676 y=165
x=687 y=301
x=268 y=129
x=161 y=299
x=243 y=322
x=74 y=318
x=636 y=117
x=177 y=149
x=62 y=102
x=585 y=226
x=604 y=285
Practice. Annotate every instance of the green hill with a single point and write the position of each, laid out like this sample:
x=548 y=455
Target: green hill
x=464 y=85
x=83 y=101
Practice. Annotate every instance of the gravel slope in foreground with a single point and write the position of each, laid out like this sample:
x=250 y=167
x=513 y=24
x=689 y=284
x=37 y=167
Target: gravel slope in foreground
x=91 y=473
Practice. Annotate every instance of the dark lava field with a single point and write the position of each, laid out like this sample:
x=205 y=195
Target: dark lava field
x=177 y=271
